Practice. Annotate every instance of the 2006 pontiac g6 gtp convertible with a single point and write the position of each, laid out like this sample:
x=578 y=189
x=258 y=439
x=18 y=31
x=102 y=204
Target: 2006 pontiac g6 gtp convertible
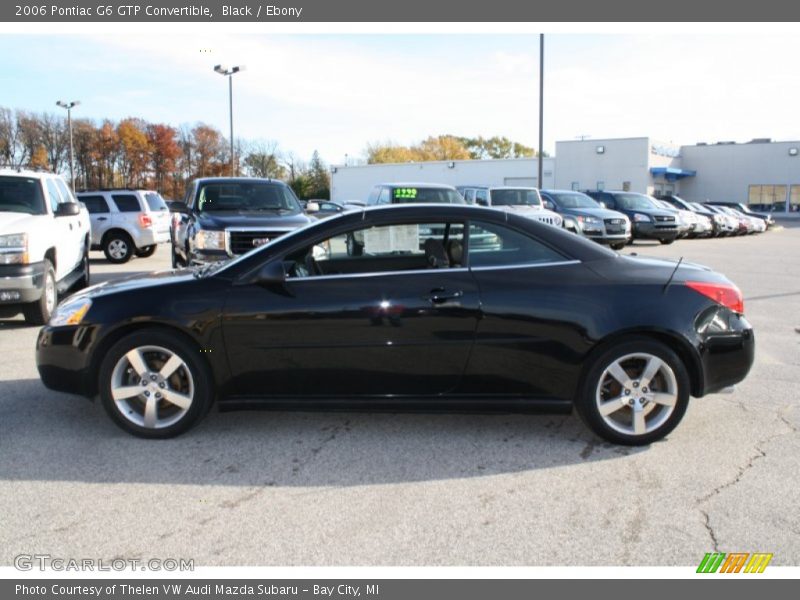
x=445 y=306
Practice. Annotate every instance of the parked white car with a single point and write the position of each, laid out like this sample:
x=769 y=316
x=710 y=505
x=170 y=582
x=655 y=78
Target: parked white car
x=127 y=222
x=524 y=201
x=44 y=243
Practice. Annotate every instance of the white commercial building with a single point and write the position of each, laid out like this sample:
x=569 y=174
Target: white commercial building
x=763 y=173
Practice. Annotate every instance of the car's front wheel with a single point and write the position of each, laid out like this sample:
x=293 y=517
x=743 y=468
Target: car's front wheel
x=38 y=312
x=667 y=242
x=618 y=246
x=154 y=384
x=634 y=393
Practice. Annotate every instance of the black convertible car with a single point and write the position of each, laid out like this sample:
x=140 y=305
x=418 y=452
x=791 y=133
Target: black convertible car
x=449 y=306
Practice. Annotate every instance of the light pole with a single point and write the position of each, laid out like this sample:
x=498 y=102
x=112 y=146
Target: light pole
x=541 y=107
x=69 y=106
x=229 y=72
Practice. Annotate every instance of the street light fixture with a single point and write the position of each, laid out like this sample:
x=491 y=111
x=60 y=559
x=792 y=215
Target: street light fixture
x=229 y=73
x=69 y=106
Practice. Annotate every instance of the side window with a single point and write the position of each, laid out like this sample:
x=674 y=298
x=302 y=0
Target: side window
x=384 y=197
x=469 y=196
x=373 y=195
x=382 y=249
x=126 y=202
x=482 y=197
x=492 y=245
x=66 y=193
x=95 y=204
x=55 y=195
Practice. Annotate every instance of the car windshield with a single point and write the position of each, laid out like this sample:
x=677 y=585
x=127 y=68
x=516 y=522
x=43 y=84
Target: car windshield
x=518 y=197
x=21 y=195
x=635 y=201
x=407 y=195
x=155 y=201
x=700 y=208
x=575 y=200
x=246 y=196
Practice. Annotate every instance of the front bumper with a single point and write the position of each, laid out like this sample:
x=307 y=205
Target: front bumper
x=652 y=231
x=21 y=284
x=62 y=357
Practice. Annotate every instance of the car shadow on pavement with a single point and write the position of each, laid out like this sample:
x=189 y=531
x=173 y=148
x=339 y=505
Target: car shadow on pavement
x=49 y=436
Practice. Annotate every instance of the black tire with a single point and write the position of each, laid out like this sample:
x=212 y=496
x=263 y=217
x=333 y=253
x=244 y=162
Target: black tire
x=353 y=247
x=146 y=251
x=85 y=280
x=177 y=261
x=38 y=312
x=667 y=242
x=202 y=382
x=618 y=246
x=586 y=403
x=118 y=247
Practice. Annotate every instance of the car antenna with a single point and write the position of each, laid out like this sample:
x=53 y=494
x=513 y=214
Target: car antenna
x=675 y=270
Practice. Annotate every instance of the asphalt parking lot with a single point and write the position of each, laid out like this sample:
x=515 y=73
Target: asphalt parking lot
x=265 y=488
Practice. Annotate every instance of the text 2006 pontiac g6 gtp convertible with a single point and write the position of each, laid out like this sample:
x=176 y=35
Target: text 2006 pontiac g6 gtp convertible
x=445 y=306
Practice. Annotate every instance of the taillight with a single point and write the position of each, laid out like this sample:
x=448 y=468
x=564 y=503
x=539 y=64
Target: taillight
x=726 y=294
x=145 y=220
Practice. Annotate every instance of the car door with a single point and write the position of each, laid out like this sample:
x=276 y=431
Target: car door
x=68 y=246
x=382 y=323
x=533 y=297
x=99 y=215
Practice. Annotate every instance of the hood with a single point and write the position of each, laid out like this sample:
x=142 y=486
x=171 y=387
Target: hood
x=600 y=213
x=251 y=219
x=14 y=222
x=136 y=281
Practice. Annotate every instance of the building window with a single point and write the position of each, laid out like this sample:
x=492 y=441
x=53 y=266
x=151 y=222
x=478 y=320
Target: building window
x=575 y=186
x=626 y=186
x=794 y=198
x=601 y=185
x=767 y=197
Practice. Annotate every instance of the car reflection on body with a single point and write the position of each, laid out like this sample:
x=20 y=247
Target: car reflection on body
x=540 y=320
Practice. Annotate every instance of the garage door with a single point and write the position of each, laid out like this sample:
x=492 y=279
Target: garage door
x=520 y=181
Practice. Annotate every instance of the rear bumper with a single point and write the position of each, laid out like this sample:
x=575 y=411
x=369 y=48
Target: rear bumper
x=727 y=356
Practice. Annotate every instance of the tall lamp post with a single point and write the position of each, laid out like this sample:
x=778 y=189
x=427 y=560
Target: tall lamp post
x=541 y=107
x=69 y=106
x=229 y=73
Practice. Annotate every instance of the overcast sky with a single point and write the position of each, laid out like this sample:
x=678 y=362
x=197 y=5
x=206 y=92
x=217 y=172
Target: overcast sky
x=335 y=93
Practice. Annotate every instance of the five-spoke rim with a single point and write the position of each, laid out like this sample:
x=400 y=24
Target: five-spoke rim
x=152 y=387
x=637 y=393
x=117 y=248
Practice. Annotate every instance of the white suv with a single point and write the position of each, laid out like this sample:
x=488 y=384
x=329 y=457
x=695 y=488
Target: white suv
x=44 y=243
x=126 y=222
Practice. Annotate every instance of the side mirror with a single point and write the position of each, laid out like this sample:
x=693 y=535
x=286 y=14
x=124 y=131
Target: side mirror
x=271 y=273
x=68 y=209
x=603 y=204
x=548 y=205
x=312 y=207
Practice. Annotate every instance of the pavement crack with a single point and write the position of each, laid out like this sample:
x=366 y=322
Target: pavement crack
x=710 y=530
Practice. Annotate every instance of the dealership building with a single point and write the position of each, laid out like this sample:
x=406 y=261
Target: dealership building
x=762 y=173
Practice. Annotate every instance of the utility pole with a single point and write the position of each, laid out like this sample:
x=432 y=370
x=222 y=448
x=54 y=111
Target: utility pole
x=541 y=108
x=229 y=73
x=69 y=106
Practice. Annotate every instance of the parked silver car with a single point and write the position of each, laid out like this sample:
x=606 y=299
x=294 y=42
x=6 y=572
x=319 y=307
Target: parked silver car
x=126 y=222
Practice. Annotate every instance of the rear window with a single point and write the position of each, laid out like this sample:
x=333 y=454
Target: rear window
x=401 y=195
x=155 y=201
x=126 y=202
x=95 y=204
x=518 y=197
x=21 y=195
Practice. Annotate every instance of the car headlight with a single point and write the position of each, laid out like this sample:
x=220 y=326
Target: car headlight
x=640 y=218
x=71 y=312
x=210 y=240
x=589 y=220
x=14 y=249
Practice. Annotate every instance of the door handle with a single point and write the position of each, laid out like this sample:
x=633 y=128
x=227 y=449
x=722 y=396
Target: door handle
x=102 y=219
x=441 y=295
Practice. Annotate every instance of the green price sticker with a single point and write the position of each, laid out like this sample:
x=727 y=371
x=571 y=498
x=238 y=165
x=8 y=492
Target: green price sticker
x=405 y=193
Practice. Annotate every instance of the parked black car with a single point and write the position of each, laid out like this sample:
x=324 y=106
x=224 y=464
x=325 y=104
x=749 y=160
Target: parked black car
x=742 y=207
x=322 y=209
x=585 y=216
x=540 y=320
x=223 y=217
x=648 y=221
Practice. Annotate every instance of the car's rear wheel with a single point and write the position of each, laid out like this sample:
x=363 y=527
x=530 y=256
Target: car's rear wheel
x=155 y=385
x=634 y=393
x=618 y=246
x=667 y=242
x=146 y=251
x=118 y=247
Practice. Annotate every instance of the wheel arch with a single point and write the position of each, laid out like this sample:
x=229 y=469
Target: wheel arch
x=674 y=341
x=50 y=254
x=108 y=341
x=115 y=230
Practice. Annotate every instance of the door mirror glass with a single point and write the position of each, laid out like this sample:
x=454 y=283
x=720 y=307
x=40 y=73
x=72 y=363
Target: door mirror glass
x=68 y=209
x=312 y=207
x=271 y=273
